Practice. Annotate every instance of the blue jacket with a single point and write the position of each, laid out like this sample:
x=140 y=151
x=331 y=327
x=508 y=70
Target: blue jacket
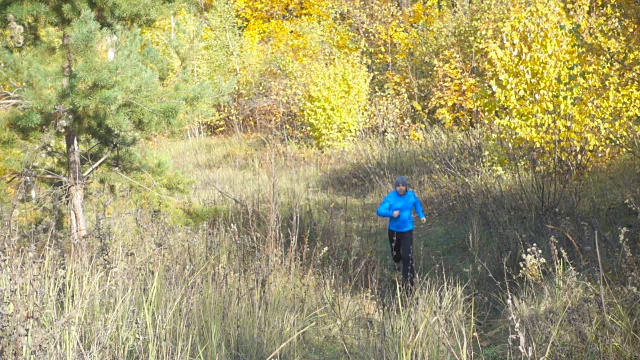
x=394 y=201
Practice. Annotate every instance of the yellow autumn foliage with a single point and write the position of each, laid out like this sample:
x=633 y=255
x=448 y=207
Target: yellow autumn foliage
x=303 y=75
x=334 y=101
x=550 y=98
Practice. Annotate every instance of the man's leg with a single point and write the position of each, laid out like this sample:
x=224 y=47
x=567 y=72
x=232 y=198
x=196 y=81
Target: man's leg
x=396 y=251
x=408 y=271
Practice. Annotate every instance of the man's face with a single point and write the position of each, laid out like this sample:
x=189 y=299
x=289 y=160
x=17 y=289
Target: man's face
x=401 y=189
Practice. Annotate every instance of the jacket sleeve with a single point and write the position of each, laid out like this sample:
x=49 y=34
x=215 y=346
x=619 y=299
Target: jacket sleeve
x=384 y=210
x=418 y=206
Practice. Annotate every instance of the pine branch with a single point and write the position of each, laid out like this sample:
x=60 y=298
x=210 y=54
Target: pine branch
x=99 y=162
x=139 y=104
x=8 y=95
x=24 y=174
x=10 y=177
x=145 y=187
x=9 y=99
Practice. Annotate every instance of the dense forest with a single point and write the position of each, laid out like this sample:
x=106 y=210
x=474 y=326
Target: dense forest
x=199 y=178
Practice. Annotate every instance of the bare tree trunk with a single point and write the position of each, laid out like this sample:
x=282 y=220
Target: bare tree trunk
x=76 y=179
x=76 y=188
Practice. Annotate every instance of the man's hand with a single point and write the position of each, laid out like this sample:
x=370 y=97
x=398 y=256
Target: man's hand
x=424 y=220
x=396 y=213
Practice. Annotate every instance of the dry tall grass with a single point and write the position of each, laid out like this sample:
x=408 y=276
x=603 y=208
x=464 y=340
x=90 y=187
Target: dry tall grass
x=275 y=253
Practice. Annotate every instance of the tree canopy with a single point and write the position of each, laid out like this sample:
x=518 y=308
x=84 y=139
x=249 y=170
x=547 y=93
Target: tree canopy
x=79 y=80
x=551 y=83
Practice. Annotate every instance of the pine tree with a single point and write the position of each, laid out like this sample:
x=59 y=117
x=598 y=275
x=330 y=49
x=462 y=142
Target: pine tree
x=79 y=75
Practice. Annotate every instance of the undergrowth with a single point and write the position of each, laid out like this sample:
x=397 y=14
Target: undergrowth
x=263 y=251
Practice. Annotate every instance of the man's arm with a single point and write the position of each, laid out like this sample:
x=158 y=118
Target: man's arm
x=384 y=210
x=418 y=206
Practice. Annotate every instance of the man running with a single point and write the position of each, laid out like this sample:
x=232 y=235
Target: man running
x=397 y=206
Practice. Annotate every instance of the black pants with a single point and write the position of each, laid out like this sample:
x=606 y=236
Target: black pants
x=401 y=250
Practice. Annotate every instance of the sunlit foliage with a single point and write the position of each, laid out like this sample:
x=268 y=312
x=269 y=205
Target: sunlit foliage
x=552 y=99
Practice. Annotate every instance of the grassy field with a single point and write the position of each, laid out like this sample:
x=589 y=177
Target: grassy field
x=246 y=249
